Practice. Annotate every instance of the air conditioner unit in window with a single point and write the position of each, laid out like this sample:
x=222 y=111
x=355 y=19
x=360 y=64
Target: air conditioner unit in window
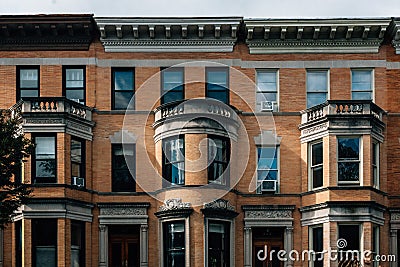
x=78 y=181
x=268 y=105
x=268 y=186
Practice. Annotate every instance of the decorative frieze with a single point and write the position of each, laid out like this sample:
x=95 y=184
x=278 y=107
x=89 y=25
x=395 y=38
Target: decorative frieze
x=219 y=208
x=174 y=204
x=220 y=204
x=270 y=214
x=122 y=211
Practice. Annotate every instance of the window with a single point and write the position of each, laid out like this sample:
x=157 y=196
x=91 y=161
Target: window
x=316 y=164
x=44 y=242
x=375 y=164
x=174 y=160
x=44 y=166
x=77 y=159
x=172 y=85
x=350 y=233
x=123 y=87
x=122 y=171
x=74 y=83
x=174 y=243
x=18 y=243
x=361 y=85
x=348 y=159
x=317 y=87
x=218 y=156
x=27 y=81
x=375 y=244
x=217 y=84
x=218 y=243
x=267 y=90
x=267 y=169
x=317 y=245
x=77 y=244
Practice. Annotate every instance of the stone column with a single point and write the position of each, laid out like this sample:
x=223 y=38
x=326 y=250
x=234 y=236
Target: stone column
x=144 y=246
x=1 y=247
x=393 y=246
x=103 y=245
x=288 y=244
x=247 y=247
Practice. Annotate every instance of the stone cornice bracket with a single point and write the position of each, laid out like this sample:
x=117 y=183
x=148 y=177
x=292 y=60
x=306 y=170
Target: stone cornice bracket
x=277 y=36
x=46 y=32
x=123 y=34
x=395 y=34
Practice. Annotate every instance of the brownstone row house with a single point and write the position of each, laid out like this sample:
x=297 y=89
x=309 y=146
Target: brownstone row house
x=295 y=147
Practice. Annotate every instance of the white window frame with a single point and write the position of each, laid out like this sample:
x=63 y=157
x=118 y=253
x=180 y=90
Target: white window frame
x=372 y=81
x=278 y=154
x=276 y=71
x=231 y=239
x=310 y=240
x=327 y=71
x=375 y=180
x=310 y=167
x=187 y=238
x=360 y=161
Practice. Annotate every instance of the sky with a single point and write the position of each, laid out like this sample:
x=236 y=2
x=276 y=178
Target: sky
x=205 y=8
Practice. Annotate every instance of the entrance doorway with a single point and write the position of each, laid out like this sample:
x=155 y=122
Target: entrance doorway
x=124 y=250
x=267 y=240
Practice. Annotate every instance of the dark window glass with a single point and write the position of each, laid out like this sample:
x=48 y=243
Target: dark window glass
x=122 y=173
x=174 y=244
x=350 y=233
x=123 y=87
x=267 y=168
x=74 y=81
x=218 y=244
x=217 y=84
x=77 y=244
x=172 y=85
x=317 y=165
x=218 y=156
x=361 y=84
x=27 y=82
x=375 y=164
x=174 y=160
x=45 y=159
x=317 y=87
x=318 y=246
x=348 y=159
x=18 y=243
x=77 y=158
x=44 y=242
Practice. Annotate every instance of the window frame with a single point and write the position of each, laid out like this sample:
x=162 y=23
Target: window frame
x=376 y=148
x=311 y=243
x=115 y=146
x=165 y=164
x=230 y=228
x=163 y=92
x=360 y=160
x=311 y=166
x=64 y=81
x=372 y=89
x=186 y=221
x=34 y=159
x=18 y=81
x=327 y=72
x=259 y=91
x=360 y=233
x=82 y=165
x=224 y=180
x=209 y=70
x=34 y=241
x=82 y=248
x=113 y=90
x=277 y=154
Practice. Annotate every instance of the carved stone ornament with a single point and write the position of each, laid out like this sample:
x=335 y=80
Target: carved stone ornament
x=270 y=214
x=174 y=204
x=123 y=211
x=395 y=217
x=220 y=204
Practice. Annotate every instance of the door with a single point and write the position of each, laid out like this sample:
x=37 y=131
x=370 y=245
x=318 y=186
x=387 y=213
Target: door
x=124 y=251
x=269 y=250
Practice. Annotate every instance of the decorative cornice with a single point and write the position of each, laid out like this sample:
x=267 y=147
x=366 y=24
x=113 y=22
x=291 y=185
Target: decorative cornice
x=46 y=32
x=174 y=208
x=395 y=34
x=270 y=36
x=219 y=208
x=168 y=34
